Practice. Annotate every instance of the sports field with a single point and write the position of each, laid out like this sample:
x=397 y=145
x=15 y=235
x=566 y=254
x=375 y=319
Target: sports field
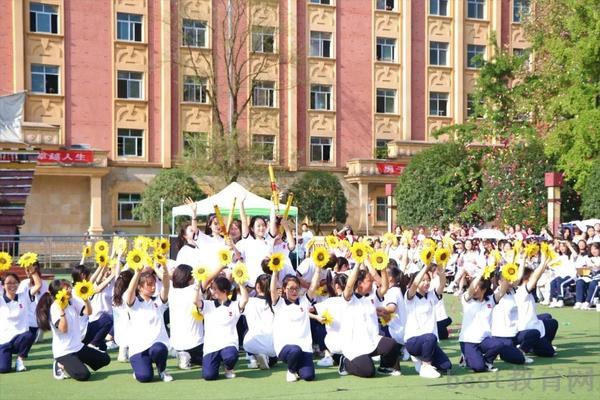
x=574 y=373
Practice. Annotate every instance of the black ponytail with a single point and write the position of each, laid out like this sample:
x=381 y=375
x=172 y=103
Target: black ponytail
x=42 y=311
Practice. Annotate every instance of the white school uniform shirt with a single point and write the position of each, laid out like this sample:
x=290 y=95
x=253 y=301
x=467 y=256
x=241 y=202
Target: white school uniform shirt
x=440 y=307
x=259 y=317
x=121 y=325
x=102 y=302
x=209 y=247
x=191 y=255
x=288 y=268
x=397 y=324
x=420 y=314
x=566 y=268
x=526 y=310
x=477 y=319
x=335 y=306
x=220 y=322
x=14 y=315
x=505 y=316
x=146 y=323
x=70 y=341
x=307 y=269
x=291 y=325
x=24 y=288
x=253 y=251
x=186 y=331
x=360 y=328
x=472 y=262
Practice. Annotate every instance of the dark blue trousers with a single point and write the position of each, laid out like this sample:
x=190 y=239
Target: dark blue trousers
x=212 y=361
x=531 y=342
x=142 y=362
x=478 y=354
x=585 y=291
x=97 y=331
x=19 y=345
x=298 y=362
x=442 y=328
x=509 y=352
x=426 y=348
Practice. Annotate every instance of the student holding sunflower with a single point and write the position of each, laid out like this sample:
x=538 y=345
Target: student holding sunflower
x=15 y=334
x=60 y=312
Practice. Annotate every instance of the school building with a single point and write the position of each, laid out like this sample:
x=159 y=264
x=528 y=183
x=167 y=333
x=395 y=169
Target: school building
x=111 y=96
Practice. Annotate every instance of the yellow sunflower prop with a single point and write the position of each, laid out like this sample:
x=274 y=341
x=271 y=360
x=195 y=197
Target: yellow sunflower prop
x=240 y=273
x=320 y=257
x=497 y=256
x=162 y=245
x=428 y=242
x=327 y=318
x=517 y=247
x=101 y=246
x=442 y=256
x=488 y=271
x=200 y=273
x=385 y=320
x=86 y=252
x=160 y=259
x=224 y=257
x=359 y=252
x=62 y=298
x=120 y=244
x=28 y=259
x=345 y=244
x=135 y=259
x=548 y=251
x=196 y=314
x=112 y=263
x=141 y=243
x=5 y=261
x=276 y=262
x=427 y=255
x=379 y=260
x=321 y=291
x=102 y=259
x=509 y=272
x=84 y=289
x=332 y=241
x=390 y=238
x=531 y=250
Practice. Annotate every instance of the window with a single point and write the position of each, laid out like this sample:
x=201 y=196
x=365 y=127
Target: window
x=324 y=2
x=129 y=27
x=386 y=101
x=263 y=39
x=438 y=7
x=386 y=49
x=43 y=18
x=194 y=33
x=471 y=107
x=129 y=85
x=44 y=78
x=320 y=97
x=130 y=142
x=520 y=9
x=194 y=89
x=476 y=9
x=387 y=5
x=381 y=209
x=320 y=44
x=264 y=145
x=475 y=55
x=126 y=203
x=381 y=150
x=320 y=149
x=264 y=94
x=438 y=104
x=438 y=53
x=195 y=144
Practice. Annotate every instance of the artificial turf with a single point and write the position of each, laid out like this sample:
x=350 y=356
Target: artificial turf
x=573 y=373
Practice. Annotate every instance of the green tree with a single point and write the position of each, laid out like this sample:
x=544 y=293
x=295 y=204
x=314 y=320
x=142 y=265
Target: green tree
x=320 y=197
x=438 y=186
x=173 y=185
x=590 y=194
x=565 y=82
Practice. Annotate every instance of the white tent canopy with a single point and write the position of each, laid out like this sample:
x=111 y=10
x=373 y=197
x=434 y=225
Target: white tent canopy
x=253 y=204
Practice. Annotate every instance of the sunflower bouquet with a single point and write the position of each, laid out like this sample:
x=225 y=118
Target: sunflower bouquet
x=62 y=298
x=28 y=259
x=160 y=259
x=135 y=259
x=390 y=238
x=359 y=252
x=531 y=250
x=276 y=262
x=320 y=257
x=488 y=271
x=162 y=245
x=102 y=259
x=379 y=260
x=101 y=247
x=332 y=241
x=240 y=273
x=141 y=243
x=426 y=255
x=510 y=272
x=5 y=261
x=86 y=251
x=442 y=256
x=225 y=257
x=84 y=289
x=200 y=273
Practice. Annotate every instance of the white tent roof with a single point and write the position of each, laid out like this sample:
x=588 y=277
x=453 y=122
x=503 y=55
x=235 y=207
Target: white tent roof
x=253 y=204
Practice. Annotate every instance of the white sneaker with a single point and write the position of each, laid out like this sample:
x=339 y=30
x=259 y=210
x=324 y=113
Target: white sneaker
x=123 y=354
x=585 y=306
x=20 y=365
x=577 y=306
x=185 y=360
x=560 y=304
x=326 y=361
x=428 y=371
x=111 y=345
x=57 y=371
x=291 y=377
x=229 y=374
x=598 y=307
x=491 y=368
x=462 y=363
x=376 y=358
x=405 y=354
x=553 y=303
x=528 y=360
x=545 y=302
x=252 y=364
x=173 y=352
x=263 y=361
x=165 y=377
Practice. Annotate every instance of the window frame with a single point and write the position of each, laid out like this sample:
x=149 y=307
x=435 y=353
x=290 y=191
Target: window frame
x=129 y=81
x=437 y=12
x=196 y=31
x=132 y=203
x=380 y=47
x=520 y=9
x=438 y=100
x=259 y=35
x=438 y=51
x=131 y=27
x=383 y=5
x=51 y=13
x=191 y=85
x=384 y=95
x=316 y=93
x=473 y=50
x=321 y=142
x=45 y=74
x=319 y=41
x=381 y=148
x=264 y=90
x=379 y=207
x=479 y=7
x=321 y=2
x=261 y=140
x=123 y=140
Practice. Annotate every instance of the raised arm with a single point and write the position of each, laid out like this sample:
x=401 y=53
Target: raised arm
x=412 y=290
x=471 y=290
x=442 y=278
x=37 y=283
x=98 y=272
x=273 y=222
x=349 y=289
x=385 y=283
x=164 y=293
x=502 y=289
x=291 y=240
x=193 y=208
x=244 y=220
x=274 y=292
x=535 y=275
x=314 y=284
x=87 y=307
x=244 y=297
x=130 y=298
x=211 y=277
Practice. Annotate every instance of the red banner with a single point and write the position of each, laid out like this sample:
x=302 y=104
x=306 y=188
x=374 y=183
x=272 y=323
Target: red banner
x=386 y=168
x=66 y=156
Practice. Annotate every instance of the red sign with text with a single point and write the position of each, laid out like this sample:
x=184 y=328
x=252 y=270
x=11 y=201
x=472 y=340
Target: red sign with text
x=66 y=156
x=390 y=168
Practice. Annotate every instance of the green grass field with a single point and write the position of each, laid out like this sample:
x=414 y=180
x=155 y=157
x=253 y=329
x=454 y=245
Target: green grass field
x=574 y=373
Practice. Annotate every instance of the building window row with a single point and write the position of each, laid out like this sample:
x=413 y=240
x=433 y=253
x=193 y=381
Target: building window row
x=43 y=18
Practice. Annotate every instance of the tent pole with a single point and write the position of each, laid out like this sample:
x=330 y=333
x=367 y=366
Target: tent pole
x=296 y=238
x=172 y=225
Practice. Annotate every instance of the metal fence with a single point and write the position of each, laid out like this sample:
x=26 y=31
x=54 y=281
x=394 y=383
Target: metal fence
x=55 y=250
